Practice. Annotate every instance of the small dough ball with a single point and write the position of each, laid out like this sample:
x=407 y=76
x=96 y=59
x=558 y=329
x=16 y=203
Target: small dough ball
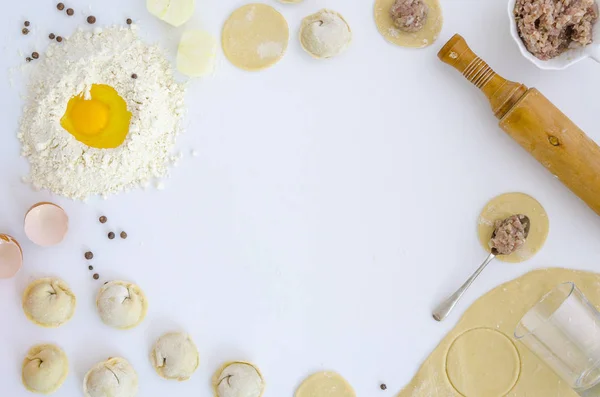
x=121 y=304
x=48 y=302
x=325 y=34
x=44 y=369
x=239 y=379
x=409 y=15
x=175 y=356
x=114 y=377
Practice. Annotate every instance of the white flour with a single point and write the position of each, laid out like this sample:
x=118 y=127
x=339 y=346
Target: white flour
x=65 y=166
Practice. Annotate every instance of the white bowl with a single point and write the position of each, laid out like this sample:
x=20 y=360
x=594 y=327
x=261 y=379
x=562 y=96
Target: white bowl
x=563 y=61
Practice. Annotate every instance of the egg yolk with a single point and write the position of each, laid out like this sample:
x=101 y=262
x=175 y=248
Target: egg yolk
x=100 y=122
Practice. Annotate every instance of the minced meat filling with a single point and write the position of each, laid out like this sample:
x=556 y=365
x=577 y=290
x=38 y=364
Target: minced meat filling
x=550 y=27
x=409 y=15
x=509 y=235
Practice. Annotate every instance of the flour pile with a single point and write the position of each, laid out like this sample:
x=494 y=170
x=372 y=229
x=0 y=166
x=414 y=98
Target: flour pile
x=141 y=75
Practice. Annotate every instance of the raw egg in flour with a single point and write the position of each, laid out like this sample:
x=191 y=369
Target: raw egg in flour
x=101 y=121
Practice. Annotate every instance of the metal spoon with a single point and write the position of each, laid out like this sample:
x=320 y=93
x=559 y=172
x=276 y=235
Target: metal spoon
x=444 y=309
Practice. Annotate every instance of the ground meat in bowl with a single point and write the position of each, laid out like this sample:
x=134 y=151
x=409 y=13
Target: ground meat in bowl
x=550 y=27
x=409 y=15
x=509 y=235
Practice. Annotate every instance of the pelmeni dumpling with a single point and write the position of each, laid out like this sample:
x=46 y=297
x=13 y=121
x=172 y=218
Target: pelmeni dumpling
x=44 y=369
x=175 y=356
x=114 y=377
x=48 y=302
x=325 y=34
x=121 y=304
x=239 y=379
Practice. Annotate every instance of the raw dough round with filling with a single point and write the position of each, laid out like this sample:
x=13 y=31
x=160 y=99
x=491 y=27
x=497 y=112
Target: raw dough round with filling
x=114 y=377
x=502 y=207
x=48 y=302
x=238 y=379
x=175 y=356
x=121 y=304
x=325 y=34
x=327 y=384
x=255 y=37
x=422 y=38
x=44 y=369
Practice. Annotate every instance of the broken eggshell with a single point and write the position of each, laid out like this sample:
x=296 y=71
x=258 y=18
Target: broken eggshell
x=11 y=256
x=46 y=224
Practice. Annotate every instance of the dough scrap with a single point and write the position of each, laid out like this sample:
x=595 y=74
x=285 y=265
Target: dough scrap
x=423 y=38
x=508 y=204
x=45 y=369
x=325 y=34
x=114 y=377
x=238 y=379
x=175 y=356
x=326 y=383
x=121 y=304
x=48 y=302
x=255 y=37
x=501 y=309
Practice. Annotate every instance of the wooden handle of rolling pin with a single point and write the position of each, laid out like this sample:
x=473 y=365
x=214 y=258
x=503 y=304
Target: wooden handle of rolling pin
x=535 y=123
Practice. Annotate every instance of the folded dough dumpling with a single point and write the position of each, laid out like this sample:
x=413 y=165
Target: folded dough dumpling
x=44 y=369
x=114 y=377
x=239 y=379
x=325 y=34
x=175 y=356
x=121 y=304
x=48 y=302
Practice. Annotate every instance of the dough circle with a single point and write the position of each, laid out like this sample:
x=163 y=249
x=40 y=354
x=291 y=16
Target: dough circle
x=483 y=362
x=45 y=369
x=326 y=383
x=508 y=204
x=325 y=34
x=423 y=38
x=290 y=1
x=255 y=36
x=48 y=302
x=121 y=304
x=175 y=356
x=114 y=377
x=238 y=379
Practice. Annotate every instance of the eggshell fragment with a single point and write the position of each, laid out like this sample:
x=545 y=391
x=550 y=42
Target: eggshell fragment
x=11 y=256
x=46 y=224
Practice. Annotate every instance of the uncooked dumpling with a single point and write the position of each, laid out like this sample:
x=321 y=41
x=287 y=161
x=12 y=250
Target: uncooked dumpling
x=175 y=356
x=44 y=369
x=121 y=304
x=325 y=34
x=114 y=377
x=48 y=302
x=239 y=379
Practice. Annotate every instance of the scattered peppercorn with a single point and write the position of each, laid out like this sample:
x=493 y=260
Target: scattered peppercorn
x=28 y=59
x=51 y=36
x=89 y=255
x=111 y=235
x=123 y=235
x=96 y=276
x=106 y=282
x=129 y=21
x=26 y=23
x=383 y=386
x=70 y=11
x=25 y=31
x=59 y=39
x=35 y=55
x=103 y=219
x=91 y=267
x=60 y=6
x=91 y=19
x=134 y=76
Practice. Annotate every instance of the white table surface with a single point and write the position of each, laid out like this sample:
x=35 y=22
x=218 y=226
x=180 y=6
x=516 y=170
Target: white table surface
x=304 y=237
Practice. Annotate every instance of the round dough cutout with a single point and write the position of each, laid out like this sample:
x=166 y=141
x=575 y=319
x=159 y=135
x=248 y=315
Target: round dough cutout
x=238 y=379
x=121 y=304
x=483 y=362
x=114 y=377
x=328 y=384
x=255 y=37
x=325 y=34
x=175 y=356
x=48 y=302
x=45 y=369
x=508 y=204
x=290 y=1
x=423 y=38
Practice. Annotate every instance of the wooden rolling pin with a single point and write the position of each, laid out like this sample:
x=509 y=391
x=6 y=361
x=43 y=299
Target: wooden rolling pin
x=535 y=123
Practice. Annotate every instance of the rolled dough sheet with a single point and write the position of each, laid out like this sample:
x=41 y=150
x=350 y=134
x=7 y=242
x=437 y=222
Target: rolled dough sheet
x=481 y=358
x=255 y=37
x=325 y=384
x=508 y=204
x=423 y=38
